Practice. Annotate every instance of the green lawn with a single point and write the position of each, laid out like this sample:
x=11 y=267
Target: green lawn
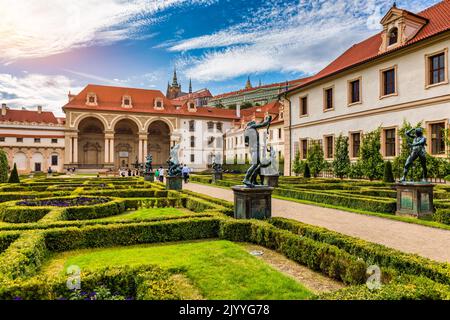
x=146 y=213
x=219 y=269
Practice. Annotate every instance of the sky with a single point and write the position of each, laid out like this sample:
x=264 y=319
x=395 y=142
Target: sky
x=48 y=48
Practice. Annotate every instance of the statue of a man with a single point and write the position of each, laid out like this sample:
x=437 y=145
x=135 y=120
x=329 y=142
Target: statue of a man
x=417 y=151
x=252 y=140
x=148 y=164
x=173 y=162
x=217 y=163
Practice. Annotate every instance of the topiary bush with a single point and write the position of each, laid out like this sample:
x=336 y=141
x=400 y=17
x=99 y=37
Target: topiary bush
x=14 y=177
x=388 y=174
x=306 y=172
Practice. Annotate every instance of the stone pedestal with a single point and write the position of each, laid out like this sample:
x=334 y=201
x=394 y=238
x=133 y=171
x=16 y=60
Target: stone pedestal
x=271 y=181
x=217 y=176
x=414 y=199
x=252 y=203
x=174 y=183
x=149 y=177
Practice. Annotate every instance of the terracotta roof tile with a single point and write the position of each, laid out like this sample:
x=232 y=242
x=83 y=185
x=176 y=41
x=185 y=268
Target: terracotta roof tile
x=14 y=115
x=438 y=17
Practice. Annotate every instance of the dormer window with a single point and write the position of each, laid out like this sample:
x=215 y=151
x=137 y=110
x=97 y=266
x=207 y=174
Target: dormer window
x=393 y=36
x=91 y=99
x=126 y=102
x=191 y=107
x=159 y=104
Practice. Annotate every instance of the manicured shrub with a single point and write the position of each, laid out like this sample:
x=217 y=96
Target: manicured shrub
x=370 y=159
x=370 y=252
x=306 y=172
x=315 y=158
x=341 y=162
x=442 y=216
x=388 y=175
x=3 y=167
x=14 y=177
x=297 y=165
x=24 y=256
x=326 y=258
x=18 y=214
x=129 y=234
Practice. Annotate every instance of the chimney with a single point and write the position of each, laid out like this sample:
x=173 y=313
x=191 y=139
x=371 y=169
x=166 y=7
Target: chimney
x=39 y=109
x=3 y=109
x=238 y=110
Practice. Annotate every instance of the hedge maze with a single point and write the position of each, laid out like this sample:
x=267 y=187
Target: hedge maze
x=368 y=196
x=43 y=219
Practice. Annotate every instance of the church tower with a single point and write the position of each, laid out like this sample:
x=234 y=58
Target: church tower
x=248 y=85
x=174 y=90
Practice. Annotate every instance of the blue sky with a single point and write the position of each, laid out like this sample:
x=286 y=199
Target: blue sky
x=48 y=48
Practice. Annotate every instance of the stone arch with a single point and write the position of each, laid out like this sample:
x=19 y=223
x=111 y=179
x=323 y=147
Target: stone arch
x=37 y=162
x=21 y=161
x=90 y=115
x=158 y=133
x=126 y=143
x=166 y=121
x=91 y=143
x=116 y=120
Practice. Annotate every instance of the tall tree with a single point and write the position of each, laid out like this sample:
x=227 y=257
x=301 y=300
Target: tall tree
x=371 y=160
x=341 y=162
x=3 y=167
x=297 y=164
x=315 y=158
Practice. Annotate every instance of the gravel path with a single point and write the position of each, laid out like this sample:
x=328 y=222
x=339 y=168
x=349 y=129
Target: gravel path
x=428 y=242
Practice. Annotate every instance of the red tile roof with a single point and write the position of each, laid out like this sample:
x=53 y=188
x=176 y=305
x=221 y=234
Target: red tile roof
x=110 y=99
x=438 y=17
x=14 y=115
x=203 y=93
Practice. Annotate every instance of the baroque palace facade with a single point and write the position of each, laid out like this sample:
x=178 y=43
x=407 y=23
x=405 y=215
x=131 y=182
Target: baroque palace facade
x=401 y=73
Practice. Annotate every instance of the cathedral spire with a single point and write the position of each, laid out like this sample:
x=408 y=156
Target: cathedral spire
x=190 y=85
x=248 y=85
x=174 y=80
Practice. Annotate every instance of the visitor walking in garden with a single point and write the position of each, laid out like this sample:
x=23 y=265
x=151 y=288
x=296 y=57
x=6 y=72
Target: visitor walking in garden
x=185 y=171
x=157 y=174
x=161 y=174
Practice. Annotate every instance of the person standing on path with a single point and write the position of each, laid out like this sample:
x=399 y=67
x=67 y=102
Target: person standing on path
x=185 y=171
x=161 y=174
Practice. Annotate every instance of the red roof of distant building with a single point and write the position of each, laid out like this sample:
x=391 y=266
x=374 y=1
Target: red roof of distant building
x=438 y=17
x=142 y=100
x=203 y=93
x=14 y=115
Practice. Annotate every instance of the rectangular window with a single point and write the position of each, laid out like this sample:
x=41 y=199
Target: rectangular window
x=54 y=140
x=192 y=126
x=219 y=126
x=279 y=133
x=54 y=160
x=437 y=68
x=2 y=139
x=192 y=157
x=192 y=142
x=389 y=82
x=437 y=138
x=389 y=143
x=304 y=144
x=329 y=148
x=37 y=140
x=355 y=91
x=19 y=139
x=329 y=99
x=356 y=143
x=303 y=106
x=210 y=126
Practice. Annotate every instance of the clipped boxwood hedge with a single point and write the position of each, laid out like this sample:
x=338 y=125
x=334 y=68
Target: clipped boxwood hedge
x=442 y=216
x=328 y=259
x=370 y=252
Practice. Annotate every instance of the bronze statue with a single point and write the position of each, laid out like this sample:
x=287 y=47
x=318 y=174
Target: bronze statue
x=217 y=166
x=173 y=163
x=252 y=140
x=417 y=151
x=148 y=164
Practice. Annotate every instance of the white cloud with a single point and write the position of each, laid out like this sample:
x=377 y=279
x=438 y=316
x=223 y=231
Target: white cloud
x=291 y=37
x=32 y=90
x=34 y=28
